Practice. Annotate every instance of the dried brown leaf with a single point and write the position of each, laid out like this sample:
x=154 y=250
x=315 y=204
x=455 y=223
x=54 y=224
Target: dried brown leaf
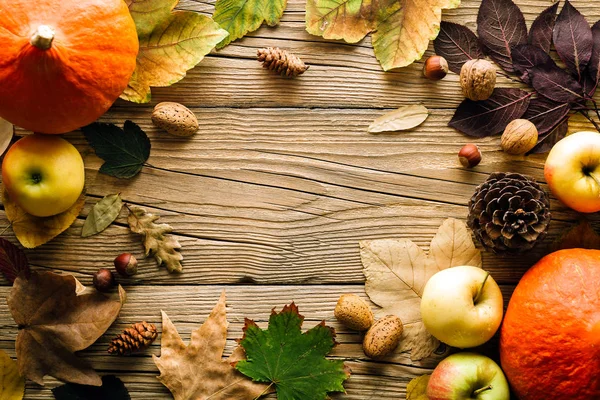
x=397 y=271
x=582 y=236
x=55 y=320
x=417 y=388
x=156 y=242
x=212 y=377
x=6 y=134
x=35 y=231
x=404 y=118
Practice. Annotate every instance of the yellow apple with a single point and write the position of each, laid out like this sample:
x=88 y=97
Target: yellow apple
x=462 y=306
x=572 y=171
x=43 y=174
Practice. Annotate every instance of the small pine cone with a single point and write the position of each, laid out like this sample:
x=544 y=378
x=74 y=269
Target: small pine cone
x=134 y=339
x=281 y=61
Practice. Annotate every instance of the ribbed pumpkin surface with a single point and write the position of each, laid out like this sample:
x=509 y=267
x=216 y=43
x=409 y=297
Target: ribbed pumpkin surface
x=75 y=81
x=550 y=338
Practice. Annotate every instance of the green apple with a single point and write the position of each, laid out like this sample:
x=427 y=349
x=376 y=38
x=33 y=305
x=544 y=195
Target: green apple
x=43 y=174
x=462 y=306
x=572 y=171
x=467 y=376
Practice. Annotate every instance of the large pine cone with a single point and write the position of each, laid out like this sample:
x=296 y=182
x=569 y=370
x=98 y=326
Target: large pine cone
x=134 y=339
x=509 y=213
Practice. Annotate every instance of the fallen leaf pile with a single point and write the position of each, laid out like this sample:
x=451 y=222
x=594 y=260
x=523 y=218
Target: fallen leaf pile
x=238 y=17
x=503 y=37
x=417 y=388
x=292 y=361
x=171 y=43
x=197 y=371
x=156 y=242
x=12 y=384
x=57 y=316
x=401 y=28
x=102 y=215
x=404 y=118
x=112 y=388
x=13 y=261
x=124 y=151
x=34 y=231
x=397 y=270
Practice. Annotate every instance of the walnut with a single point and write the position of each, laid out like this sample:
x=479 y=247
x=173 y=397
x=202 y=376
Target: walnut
x=478 y=79
x=519 y=137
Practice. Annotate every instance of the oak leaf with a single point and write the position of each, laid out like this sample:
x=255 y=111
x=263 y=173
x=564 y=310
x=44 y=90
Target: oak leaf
x=397 y=271
x=12 y=384
x=292 y=361
x=57 y=316
x=404 y=118
x=211 y=377
x=102 y=215
x=401 y=29
x=163 y=247
x=238 y=17
x=34 y=231
x=417 y=388
x=171 y=43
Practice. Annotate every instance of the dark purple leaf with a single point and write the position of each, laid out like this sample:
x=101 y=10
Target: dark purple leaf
x=593 y=75
x=457 y=44
x=526 y=57
x=540 y=34
x=501 y=26
x=546 y=113
x=13 y=260
x=547 y=141
x=490 y=117
x=573 y=40
x=556 y=84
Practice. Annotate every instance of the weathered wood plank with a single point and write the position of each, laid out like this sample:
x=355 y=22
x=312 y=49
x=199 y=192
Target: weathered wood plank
x=189 y=306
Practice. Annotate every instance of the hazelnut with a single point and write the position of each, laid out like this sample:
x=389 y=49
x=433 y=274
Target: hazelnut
x=469 y=155
x=126 y=264
x=478 y=79
x=175 y=118
x=435 y=68
x=519 y=137
x=104 y=280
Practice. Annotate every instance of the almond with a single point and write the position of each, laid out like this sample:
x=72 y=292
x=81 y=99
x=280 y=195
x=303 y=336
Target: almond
x=175 y=118
x=383 y=337
x=354 y=312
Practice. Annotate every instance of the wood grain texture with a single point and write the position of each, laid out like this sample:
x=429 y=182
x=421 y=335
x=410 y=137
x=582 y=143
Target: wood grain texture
x=271 y=197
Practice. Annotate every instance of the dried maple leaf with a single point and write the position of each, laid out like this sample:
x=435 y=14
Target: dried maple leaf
x=164 y=248
x=197 y=371
x=34 y=231
x=13 y=261
x=57 y=316
x=12 y=385
x=397 y=271
x=292 y=361
x=171 y=43
x=582 y=236
x=417 y=388
x=401 y=28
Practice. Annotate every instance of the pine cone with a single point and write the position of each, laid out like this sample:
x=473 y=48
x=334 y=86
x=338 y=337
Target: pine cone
x=281 y=61
x=134 y=339
x=509 y=213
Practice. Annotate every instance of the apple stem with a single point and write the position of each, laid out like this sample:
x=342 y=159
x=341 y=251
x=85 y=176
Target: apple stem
x=483 y=389
x=476 y=298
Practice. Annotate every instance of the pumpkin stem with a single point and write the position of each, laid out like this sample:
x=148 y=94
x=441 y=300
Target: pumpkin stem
x=43 y=37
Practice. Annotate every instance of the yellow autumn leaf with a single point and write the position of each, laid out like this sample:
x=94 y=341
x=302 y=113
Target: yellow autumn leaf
x=12 y=386
x=417 y=388
x=401 y=29
x=397 y=271
x=35 y=231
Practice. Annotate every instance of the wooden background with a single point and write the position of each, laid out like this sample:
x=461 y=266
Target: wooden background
x=271 y=197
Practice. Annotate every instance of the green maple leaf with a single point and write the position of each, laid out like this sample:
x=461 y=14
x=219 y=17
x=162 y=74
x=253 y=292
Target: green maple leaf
x=171 y=43
x=239 y=17
x=292 y=361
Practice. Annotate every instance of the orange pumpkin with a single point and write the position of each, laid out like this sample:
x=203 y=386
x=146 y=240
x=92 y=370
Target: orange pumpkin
x=550 y=338
x=63 y=63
